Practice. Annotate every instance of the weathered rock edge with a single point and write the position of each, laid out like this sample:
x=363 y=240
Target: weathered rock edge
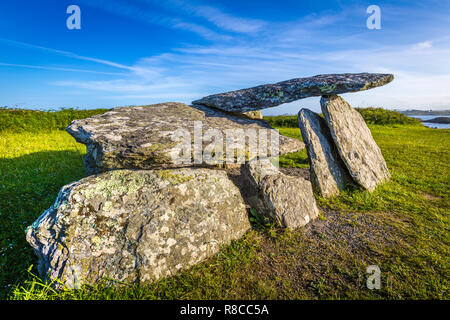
x=136 y=226
x=286 y=199
x=354 y=142
x=144 y=137
x=271 y=95
x=328 y=172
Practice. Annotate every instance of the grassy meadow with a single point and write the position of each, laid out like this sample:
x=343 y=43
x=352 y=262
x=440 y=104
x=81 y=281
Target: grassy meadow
x=403 y=226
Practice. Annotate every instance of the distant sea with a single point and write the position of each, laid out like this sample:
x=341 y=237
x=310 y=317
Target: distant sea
x=433 y=125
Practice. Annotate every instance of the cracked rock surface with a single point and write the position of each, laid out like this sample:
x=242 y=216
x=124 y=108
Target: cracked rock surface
x=146 y=137
x=136 y=226
x=354 y=142
x=328 y=172
x=289 y=200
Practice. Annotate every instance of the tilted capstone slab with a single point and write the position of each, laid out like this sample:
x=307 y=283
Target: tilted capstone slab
x=272 y=95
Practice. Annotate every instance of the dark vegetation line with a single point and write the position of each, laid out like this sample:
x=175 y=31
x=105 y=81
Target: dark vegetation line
x=370 y=115
x=19 y=120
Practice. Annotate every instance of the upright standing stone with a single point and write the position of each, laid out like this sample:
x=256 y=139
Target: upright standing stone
x=286 y=199
x=354 y=142
x=328 y=172
x=271 y=95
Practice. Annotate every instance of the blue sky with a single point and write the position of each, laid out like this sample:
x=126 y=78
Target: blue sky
x=147 y=51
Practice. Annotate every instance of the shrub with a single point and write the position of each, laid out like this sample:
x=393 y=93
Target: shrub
x=383 y=116
x=282 y=121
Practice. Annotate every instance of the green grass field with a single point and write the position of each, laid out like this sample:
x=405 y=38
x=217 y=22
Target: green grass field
x=403 y=227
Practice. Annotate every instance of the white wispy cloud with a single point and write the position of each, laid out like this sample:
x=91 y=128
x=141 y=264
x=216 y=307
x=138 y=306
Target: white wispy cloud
x=208 y=70
x=50 y=68
x=244 y=52
x=67 y=54
x=423 y=45
x=200 y=30
x=229 y=22
x=214 y=15
x=148 y=16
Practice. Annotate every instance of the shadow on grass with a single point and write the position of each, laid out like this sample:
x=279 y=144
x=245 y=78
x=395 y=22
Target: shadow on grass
x=29 y=185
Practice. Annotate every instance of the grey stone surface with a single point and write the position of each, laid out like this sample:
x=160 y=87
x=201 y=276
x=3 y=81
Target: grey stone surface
x=289 y=200
x=328 y=172
x=355 y=143
x=271 y=95
x=144 y=137
x=257 y=114
x=136 y=226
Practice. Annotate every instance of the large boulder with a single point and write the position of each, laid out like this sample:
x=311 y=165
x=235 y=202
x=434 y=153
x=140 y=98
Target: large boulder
x=288 y=200
x=271 y=95
x=149 y=137
x=328 y=172
x=355 y=143
x=135 y=226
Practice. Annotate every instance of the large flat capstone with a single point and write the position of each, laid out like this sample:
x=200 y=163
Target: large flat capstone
x=328 y=172
x=136 y=226
x=151 y=136
x=354 y=142
x=271 y=95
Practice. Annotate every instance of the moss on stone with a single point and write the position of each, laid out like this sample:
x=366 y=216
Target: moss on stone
x=120 y=181
x=173 y=178
x=328 y=88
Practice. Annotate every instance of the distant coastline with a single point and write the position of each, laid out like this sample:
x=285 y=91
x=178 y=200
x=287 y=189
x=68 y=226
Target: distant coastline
x=438 y=120
x=432 y=121
x=414 y=112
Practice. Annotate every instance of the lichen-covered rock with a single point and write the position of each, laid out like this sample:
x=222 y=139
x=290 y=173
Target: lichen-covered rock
x=328 y=172
x=354 y=142
x=271 y=95
x=145 y=137
x=286 y=199
x=257 y=114
x=136 y=226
